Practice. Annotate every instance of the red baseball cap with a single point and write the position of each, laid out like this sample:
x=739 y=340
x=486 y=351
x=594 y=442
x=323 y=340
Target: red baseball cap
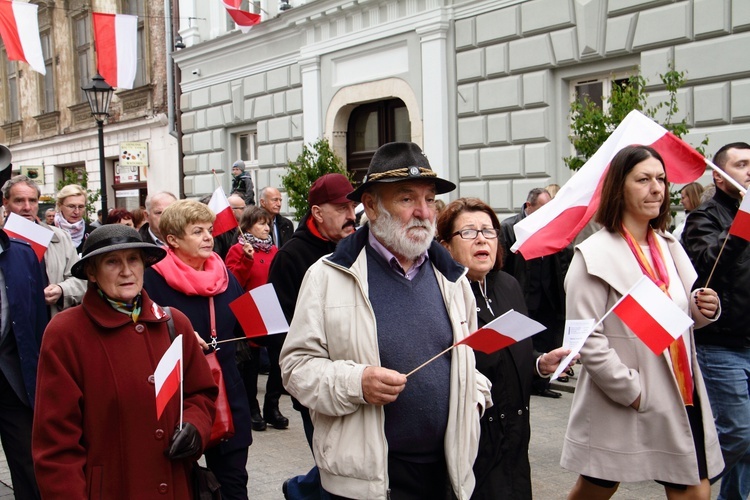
x=330 y=188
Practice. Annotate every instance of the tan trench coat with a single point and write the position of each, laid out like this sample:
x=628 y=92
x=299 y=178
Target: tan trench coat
x=606 y=438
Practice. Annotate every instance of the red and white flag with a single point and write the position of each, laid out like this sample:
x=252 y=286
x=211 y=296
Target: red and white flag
x=36 y=235
x=116 y=39
x=245 y=20
x=557 y=223
x=19 y=29
x=259 y=312
x=652 y=315
x=501 y=332
x=168 y=375
x=225 y=220
x=741 y=225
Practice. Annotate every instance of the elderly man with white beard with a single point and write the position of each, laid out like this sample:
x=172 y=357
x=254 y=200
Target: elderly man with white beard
x=386 y=300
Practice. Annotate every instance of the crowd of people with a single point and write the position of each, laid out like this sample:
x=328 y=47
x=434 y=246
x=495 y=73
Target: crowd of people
x=370 y=293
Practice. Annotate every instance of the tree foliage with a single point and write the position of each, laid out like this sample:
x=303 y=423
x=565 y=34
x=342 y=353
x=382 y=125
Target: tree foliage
x=315 y=161
x=81 y=177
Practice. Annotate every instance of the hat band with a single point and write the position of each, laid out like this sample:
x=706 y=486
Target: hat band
x=401 y=172
x=115 y=240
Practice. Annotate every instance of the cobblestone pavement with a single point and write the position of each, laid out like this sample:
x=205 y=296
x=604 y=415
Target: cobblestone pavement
x=279 y=454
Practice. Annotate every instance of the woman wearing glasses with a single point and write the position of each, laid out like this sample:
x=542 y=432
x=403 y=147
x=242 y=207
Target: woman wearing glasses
x=469 y=229
x=71 y=208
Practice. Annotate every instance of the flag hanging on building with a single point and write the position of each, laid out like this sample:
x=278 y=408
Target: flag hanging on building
x=34 y=234
x=259 y=312
x=19 y=30
x=244 y=19
x=652 y=315
x=116 y=40
x=741 y=225
x=501 y=332
x=168 y=375
x=225 y=220
x=557 y=223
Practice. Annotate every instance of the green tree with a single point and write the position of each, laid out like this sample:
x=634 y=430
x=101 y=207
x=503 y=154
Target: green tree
x=80 y=177
x=315 y=161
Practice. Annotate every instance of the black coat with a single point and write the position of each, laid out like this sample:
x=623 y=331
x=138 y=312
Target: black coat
x=197 y=311
x=706 y=229
x=286 y=230
x=502 y=467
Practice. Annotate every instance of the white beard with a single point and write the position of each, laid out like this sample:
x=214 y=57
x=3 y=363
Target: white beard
x=399 y=238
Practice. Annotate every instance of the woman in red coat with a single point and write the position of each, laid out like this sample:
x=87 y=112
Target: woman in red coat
x=249 y=261
x=96 y=434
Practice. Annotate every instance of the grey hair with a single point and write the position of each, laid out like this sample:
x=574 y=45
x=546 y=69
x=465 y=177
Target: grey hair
x=19 y=179
x=150 y=198
x=534 y=195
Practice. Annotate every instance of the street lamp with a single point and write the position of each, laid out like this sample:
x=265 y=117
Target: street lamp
x=99 y=94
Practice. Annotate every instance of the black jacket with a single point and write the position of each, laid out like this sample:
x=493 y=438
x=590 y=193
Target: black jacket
x=286 y=230
x=242 y=185
x=706 y=228
x=292 y=262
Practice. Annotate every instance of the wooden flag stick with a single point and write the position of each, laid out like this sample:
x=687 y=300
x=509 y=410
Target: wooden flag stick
x=717 y=261
x=430 y=360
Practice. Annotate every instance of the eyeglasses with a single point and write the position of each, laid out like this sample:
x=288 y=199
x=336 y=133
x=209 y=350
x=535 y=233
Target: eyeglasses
x=73 y=208
x=471 y=234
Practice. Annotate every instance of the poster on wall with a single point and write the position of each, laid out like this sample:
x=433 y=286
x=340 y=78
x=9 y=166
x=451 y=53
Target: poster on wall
x=135 y=154
x=126 y=173
x=34 y=172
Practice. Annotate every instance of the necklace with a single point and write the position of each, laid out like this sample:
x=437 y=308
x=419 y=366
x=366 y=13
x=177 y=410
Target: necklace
x=483 y=291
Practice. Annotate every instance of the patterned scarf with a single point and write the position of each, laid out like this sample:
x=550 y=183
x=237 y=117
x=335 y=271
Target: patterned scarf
x=660 y=276
x=133 y=309
x=257 y=243
x=75 y=229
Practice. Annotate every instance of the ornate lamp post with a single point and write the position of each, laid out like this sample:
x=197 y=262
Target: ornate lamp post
x=99 y=94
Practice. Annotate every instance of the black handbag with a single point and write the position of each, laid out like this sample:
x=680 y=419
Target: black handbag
x=204 y=482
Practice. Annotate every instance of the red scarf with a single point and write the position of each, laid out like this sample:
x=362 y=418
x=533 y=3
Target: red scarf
x=211 y=281
x=677 y=349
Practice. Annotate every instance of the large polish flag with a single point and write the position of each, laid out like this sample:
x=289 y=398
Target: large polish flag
x=23 y=229
x=557 y=223
x=116 y=39
x=259 y=312
x=501 y=332
x=741 y=225
x=225 y=220
x=652 y=315
x=19 y=29
x=245 y=20
x=168 y=375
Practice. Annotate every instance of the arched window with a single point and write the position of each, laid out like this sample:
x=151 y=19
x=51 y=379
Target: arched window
x=370 y=126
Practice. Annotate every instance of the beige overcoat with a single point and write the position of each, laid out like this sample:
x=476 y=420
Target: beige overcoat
x=606 y=438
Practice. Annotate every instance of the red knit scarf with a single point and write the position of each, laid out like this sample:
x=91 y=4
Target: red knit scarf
x=660 y=276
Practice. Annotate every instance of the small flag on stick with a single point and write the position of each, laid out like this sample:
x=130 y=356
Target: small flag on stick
x=225 y=220
x=168 y=376
x=652 y=315
x=741 y=225
x=23 y=229
x=259 y=312
x=501 y=332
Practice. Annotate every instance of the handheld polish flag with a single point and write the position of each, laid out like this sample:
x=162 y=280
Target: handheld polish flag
x=225 y=220
x=36 y=235
x=557 y=223
x=19 y=30
x=652 y=315
x=741 y=225
x=116 y=39
x=245 y=20
x=259 y=312
x=168 y=375
x=501 y=332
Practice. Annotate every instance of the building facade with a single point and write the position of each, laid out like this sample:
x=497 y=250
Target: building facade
x=47 y=122
x=484 y=87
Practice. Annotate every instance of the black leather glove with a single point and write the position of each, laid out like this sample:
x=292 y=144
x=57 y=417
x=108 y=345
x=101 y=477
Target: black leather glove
x=186 y=443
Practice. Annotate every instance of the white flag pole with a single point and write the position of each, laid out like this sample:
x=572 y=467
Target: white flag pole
x=726 y=177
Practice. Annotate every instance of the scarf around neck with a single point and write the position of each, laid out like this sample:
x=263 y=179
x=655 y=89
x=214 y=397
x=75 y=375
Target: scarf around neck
x=75 y=229
x=132 y=309
x=257 y=243
x=212 y=280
